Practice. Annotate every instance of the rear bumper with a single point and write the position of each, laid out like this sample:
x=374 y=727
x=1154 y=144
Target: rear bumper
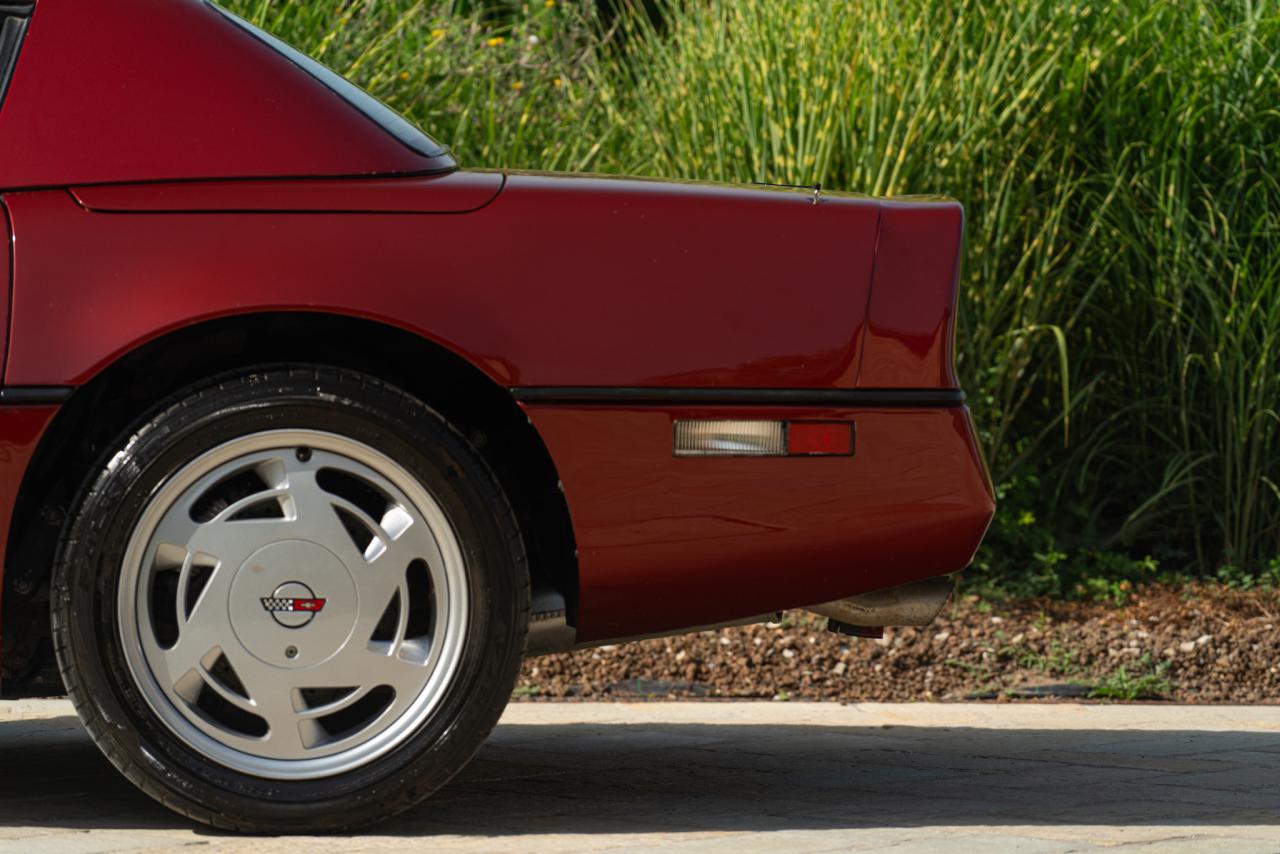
x=665 y=543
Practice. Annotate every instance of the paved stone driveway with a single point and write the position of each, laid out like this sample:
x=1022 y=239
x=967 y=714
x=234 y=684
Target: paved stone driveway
x=738 y=777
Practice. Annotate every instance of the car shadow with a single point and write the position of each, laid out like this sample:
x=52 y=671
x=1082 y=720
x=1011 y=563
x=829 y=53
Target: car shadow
x=636 y=779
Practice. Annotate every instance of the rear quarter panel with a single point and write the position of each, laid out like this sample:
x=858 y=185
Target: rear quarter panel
x=590 y=282
x=911 y=318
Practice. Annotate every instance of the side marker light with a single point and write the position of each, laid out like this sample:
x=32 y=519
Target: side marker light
x=751 y=438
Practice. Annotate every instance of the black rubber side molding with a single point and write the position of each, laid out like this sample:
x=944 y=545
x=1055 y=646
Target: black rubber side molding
x=35 y=395
x=923 y=398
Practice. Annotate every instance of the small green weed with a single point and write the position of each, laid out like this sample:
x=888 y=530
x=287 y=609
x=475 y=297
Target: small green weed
x=1059 y=660
x=1147 y=682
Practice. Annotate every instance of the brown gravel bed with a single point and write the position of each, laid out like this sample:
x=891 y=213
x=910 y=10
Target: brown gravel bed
x=1196 y=644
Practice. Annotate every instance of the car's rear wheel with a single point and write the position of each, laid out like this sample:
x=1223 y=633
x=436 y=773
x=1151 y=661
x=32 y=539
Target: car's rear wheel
x=293 y=600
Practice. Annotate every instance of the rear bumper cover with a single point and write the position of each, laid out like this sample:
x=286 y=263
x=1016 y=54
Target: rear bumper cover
x=666 y=542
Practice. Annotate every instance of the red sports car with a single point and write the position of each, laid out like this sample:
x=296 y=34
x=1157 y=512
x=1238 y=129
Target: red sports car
x=309 y=436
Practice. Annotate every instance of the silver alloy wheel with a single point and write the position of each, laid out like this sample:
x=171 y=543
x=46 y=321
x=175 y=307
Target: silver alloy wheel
x=292 y=604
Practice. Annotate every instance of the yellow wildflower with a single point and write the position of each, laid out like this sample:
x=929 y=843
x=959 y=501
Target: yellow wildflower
x=550 y=4
x=495 y=41
x=557 y=82
x=435 y=34
x=517 y=85
x=404 y=75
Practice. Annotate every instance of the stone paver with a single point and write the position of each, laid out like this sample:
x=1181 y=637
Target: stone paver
x=734 y=777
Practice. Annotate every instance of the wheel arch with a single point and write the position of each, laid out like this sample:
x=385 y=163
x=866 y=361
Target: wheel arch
x=134 y=382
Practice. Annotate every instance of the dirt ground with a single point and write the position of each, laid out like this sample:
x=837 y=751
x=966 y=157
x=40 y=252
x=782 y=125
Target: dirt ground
x=1193 y=644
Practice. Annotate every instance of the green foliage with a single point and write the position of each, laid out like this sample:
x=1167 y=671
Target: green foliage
x=1023 y=558
x=1060 y=660
x=1120 y=167
x=1149 y=682
x=501 y=84
x=1268 y=578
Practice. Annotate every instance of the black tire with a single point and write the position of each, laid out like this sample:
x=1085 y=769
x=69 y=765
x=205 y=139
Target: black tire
x=89 y=565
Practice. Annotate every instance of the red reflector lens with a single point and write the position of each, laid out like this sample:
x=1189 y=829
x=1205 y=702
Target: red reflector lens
x=811 y=438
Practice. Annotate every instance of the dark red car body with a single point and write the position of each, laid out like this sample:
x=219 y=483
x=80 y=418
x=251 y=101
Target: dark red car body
x=148 y=245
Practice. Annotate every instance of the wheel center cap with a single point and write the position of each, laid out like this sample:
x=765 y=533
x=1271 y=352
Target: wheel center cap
x=293 y=604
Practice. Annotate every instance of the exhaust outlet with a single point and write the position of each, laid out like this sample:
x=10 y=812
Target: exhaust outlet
x=914 y=604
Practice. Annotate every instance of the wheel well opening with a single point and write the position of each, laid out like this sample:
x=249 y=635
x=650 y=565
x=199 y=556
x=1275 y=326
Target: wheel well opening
x=101 y=410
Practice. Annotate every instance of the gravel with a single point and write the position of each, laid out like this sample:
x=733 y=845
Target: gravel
x=1189 y=644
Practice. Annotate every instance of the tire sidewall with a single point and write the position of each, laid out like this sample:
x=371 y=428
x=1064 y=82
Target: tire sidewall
x=90 y=564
